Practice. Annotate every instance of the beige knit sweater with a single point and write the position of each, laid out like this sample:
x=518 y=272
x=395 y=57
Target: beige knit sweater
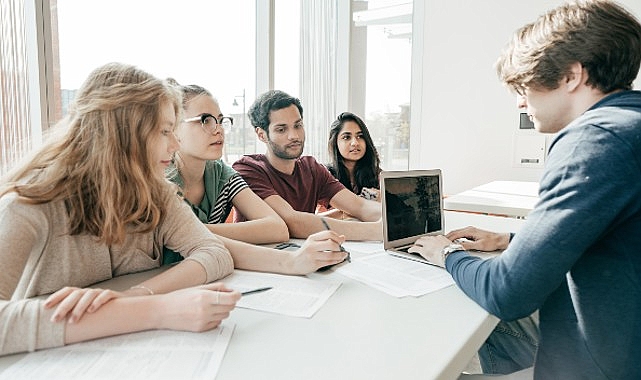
x=38 y=257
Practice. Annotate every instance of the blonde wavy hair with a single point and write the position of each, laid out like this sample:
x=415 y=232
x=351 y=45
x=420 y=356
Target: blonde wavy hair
x=100 y=164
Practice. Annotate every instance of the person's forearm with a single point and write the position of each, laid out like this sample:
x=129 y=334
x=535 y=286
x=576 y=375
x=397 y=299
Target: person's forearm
x=259 y=231
x=371 y=211
x=257 y=258
x=307 y=224
x=118 y=316
x=358 y=231
x=182 y=275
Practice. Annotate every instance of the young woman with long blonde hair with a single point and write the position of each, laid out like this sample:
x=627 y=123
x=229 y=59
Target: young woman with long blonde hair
x=93 y=204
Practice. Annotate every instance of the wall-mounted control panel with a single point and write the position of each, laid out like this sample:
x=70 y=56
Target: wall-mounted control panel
x=529 y=145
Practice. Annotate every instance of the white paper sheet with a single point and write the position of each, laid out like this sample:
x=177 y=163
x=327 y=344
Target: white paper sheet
x=295 y=296
x=363 y=247
x=396 y=276
x=156 y=354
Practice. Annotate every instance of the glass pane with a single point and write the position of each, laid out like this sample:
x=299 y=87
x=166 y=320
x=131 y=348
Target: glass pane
x=287 y=46
x=387 y=104
x=204 y=42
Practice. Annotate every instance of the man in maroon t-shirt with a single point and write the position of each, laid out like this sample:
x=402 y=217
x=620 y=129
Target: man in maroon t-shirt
x=293 y=185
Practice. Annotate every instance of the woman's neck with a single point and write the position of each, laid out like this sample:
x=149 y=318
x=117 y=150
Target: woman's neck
x=192 y=172
x=350 y=165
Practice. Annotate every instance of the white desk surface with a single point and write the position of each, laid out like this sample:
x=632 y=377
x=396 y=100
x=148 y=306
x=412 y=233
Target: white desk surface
x=509 y=198
x=360 y=333
x=529 y=189
x=459 y=219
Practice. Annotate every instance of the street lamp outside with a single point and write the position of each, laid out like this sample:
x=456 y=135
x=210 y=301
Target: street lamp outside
x=235 y=104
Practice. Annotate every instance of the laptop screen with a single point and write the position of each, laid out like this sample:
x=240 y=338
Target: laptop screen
x=412 y=204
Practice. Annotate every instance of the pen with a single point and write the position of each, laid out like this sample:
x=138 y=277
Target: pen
x=349 y=259
x=256 y=290
x=286 y=245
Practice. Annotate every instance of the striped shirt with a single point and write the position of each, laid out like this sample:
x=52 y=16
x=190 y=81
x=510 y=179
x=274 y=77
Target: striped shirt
x=224 y=204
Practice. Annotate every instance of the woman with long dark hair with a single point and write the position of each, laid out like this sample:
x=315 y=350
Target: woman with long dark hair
x=354 y=159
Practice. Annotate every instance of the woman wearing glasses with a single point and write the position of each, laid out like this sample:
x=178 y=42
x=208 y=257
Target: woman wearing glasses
x=209 y=185
x=212 y=188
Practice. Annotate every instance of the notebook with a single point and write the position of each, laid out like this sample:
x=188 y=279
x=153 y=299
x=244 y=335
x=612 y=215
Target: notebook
x=412 y=207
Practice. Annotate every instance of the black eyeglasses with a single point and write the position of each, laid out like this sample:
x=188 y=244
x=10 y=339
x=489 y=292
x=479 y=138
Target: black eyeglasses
x=209 y=122
x=520 y=89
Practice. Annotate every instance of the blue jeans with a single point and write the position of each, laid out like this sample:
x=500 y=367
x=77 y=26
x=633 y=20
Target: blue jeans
x=511 y=346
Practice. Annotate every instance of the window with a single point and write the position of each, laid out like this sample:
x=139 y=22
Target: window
x=313 y=62
x=19 y=86
x=204 y=42
x=387 y=93
x=213 y=43
x=287 y=46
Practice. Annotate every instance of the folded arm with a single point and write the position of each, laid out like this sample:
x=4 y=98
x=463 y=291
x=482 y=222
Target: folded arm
x=361 y=208
x=263 y=225
x=193 y=309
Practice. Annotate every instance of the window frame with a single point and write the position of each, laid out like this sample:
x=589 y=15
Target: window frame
x=350 y=95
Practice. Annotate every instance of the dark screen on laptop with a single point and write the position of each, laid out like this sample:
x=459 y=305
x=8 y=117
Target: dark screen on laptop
x=413 y=206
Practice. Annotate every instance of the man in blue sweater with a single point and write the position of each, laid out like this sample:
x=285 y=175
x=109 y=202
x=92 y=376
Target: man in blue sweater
x=577 y=258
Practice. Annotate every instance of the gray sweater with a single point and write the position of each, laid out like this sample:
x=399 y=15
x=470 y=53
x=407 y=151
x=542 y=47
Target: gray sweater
x=38 y=257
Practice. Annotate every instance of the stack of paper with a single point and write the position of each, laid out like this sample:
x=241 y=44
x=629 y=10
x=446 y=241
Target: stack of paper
x=396 y=276
x=296 y=296
x=157 y=354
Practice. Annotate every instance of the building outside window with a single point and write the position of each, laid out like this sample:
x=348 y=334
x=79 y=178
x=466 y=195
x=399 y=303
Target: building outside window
x=213 y=44
x=209 y=43
x=388 y=77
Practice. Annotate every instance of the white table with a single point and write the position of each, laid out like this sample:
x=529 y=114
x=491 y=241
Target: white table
x=507 y=198
x=460 y=219
x=360 y=333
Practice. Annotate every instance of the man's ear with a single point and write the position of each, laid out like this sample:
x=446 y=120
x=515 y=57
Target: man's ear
x=577 y=75
x=262 y=135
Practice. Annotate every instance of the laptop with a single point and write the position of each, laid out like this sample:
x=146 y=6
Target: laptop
x=412 y=204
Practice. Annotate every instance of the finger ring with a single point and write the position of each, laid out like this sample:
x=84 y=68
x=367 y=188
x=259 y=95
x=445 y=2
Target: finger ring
x=217 y=298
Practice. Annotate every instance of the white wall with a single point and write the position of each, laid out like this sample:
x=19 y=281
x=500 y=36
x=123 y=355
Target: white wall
x=467 y=118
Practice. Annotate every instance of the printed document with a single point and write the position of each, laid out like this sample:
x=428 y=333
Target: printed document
x=363 y=247
x=395 y=276
x=296 y=296
x=155 y=354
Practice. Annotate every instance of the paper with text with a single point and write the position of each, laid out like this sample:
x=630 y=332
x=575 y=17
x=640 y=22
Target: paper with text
x=364 y=247
x=295 y=296
x=156 y=354
x=396 y=276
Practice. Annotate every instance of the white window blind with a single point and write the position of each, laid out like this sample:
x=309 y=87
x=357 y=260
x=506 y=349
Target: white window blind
x=319 y=29
x=15 y=131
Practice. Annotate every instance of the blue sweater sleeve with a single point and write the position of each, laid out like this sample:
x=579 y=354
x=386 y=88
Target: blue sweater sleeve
x=590 y=181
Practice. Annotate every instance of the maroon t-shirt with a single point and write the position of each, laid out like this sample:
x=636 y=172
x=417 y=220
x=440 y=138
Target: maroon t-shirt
x=309 y=185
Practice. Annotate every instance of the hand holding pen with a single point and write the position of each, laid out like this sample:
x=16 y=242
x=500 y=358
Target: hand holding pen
x=319 y=250
x=348 y=258
x=340 y=246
